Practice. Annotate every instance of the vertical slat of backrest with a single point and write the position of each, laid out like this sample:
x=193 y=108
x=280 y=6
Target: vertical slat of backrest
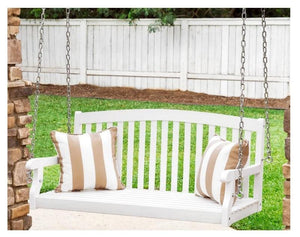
x=246 y=179
x=199 y=143
x=141 y=154
x=152 y=155
x=130 y=154
x=259 y=155
x=120 y=146
x=109 y=125
x=186 y=157
x=175 y=141
x=164 y=155
x=211 y=131
x=77 y=124
x=88 y=128
x=235 y=135
x=98 y=127
x=223 y=132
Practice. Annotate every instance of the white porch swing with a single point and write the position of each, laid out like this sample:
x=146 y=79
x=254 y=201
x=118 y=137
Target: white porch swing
x=166 y=201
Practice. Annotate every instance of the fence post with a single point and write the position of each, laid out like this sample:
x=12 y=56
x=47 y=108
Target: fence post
x=184 y=55
x=83 y=51
x=224 y=61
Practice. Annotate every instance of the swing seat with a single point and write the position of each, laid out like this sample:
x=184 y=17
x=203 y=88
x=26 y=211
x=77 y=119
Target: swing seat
x=168 y=191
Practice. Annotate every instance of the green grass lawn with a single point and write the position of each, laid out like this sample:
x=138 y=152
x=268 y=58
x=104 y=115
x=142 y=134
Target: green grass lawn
x=52 y=116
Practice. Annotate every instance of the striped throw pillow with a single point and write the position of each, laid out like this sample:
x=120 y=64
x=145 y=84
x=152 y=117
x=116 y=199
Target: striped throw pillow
x=87 y=161
x=219 y=155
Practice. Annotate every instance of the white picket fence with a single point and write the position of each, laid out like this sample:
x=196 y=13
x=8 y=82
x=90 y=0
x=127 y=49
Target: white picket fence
x=200 y=55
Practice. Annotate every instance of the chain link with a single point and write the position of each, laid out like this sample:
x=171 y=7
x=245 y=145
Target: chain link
x=266 y=86
x=68 y=68
x=37 y=90
x=239 y=193
x=37 y=83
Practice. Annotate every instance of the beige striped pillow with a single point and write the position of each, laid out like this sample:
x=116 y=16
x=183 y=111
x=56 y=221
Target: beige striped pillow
x=87 y=161
x=219 y=155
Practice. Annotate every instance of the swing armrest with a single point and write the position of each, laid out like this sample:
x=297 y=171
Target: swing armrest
x=233 y=174
x=38 y=163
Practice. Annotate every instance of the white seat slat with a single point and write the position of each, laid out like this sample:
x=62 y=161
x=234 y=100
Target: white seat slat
x=175 y=141
x=187 y=155
x=141 y=161
x=169 y=205
x=130 y=154
x=120 y=146
x=164 y=155
x=199 y=141
x=152 y=158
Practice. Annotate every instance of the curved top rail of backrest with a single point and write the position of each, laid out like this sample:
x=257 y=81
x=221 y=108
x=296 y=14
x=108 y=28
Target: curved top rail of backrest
x=250 y=124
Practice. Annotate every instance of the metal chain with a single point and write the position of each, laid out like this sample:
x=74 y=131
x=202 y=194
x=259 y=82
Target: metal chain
x=68 y=68
x=37 y=91
x=37 y=83
x=239 y=193
x=266 y=85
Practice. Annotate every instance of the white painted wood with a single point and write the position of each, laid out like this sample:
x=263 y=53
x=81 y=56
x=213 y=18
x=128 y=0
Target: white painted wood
x=120 y=146
x=246 y=179
x=223 y=132
x=167 y=205
x=201 y=55
x=130 y=150
x=184 y=55
x=88 y=128
x=83 y=52
x=152 y=159
x=154 y=203
x=164 y=155
x=199 y=145
x=235 y=135
x=99 y=127
x=186 y=157
x=175 y=142
x=211 y=131
x=141 y=161
x=212 y=119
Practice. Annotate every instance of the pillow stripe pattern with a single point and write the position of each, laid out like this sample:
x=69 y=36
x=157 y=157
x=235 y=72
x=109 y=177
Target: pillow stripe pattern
x=87 y=161
x=219 y=155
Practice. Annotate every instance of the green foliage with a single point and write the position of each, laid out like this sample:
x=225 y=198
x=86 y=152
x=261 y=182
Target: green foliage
x=52 y=116
x=164 y=16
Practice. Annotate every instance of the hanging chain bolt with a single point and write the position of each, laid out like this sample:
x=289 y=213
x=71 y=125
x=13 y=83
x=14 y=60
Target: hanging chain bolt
x=269 y=158
x=68 y=69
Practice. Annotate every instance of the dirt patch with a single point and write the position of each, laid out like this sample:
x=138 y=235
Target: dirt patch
x=175 y=96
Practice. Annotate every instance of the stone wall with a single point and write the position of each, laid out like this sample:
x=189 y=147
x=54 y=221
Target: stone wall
x=286 y=172
x=17 y=134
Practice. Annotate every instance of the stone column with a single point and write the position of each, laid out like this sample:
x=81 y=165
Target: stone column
x=17 y=134
x=286 y=172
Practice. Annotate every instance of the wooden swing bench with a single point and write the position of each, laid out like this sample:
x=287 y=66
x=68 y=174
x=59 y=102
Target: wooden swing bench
x=139 y=199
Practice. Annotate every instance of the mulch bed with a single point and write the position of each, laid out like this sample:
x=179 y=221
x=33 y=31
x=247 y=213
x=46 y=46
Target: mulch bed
x=175 y=96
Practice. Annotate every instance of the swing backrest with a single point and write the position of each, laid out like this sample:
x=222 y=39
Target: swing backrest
x=159 y=148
